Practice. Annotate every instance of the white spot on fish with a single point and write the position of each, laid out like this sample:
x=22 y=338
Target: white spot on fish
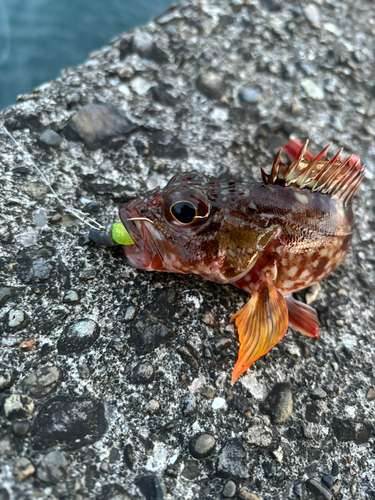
x=288 y=284
x=293 y=271
x=309 y=280
x=302 y=198
x=284 y=262
x=305 y=273
x=315 y=263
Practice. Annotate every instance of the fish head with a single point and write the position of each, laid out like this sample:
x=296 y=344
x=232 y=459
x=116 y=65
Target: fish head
x=191 y=226
x=174 y=229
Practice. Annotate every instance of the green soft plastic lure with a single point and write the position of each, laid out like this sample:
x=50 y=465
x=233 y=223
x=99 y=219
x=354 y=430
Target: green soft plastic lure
x=114 y=234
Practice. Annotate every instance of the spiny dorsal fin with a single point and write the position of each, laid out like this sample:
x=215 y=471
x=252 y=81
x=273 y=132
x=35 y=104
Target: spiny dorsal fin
x=336 y=177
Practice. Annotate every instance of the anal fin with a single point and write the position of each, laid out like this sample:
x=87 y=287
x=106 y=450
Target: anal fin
x=302 y=317
x=261 y=324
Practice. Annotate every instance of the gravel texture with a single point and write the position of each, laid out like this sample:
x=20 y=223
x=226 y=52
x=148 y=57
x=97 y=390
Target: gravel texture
x=115 y=383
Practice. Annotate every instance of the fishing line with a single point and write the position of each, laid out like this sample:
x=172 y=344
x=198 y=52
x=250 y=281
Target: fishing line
x=82 y=216
x=5 y=30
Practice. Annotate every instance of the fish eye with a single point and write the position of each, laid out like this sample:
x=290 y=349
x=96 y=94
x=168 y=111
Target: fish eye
x=183 y=212
x=185 y=209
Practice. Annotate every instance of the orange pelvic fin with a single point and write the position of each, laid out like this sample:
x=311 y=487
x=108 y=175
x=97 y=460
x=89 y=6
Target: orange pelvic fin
x=302 y=317
x=261 y=324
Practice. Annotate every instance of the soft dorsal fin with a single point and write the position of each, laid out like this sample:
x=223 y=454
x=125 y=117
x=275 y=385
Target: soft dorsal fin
x=336 y=177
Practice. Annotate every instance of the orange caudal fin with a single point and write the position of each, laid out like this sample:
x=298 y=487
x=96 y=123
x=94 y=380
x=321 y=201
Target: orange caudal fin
x=261 y=324
x=302 y=317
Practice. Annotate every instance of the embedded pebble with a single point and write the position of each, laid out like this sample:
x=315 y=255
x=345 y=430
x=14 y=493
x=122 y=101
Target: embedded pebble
x=222 y=344
x=78 y=336
x=40 y=218
x=71 y=421
x=313 y=293
x=105 y=467
x=211 y=84
x=23 y=469
x=41 y=382
x=140 y=85
x=202 y=445
x=189 y=407
x=370 y=394
x=70 y=297
x=220 y=380
x=18 y=406
x=190 y=470
x=207 y=392
x=328 y=481
x=232 y=461
x=250 y=95
x=143 y=43
x=218 y=403
x=98 y=124
x=16 y=318
x=349 y=341
x=197 y=384
x=279 y=403
x=229 y=489
x=239 y=403
x=245 y=494
x=52 y=467
x=258 y=434
x=143 y=373
x=318 y=490
x=152 y=406
x=35 y=270
x=318 y=393
x=151 y=487
x=294 y=351
x=89 y=273
x=130 y=313
x=278 y=454
x=189 y=354
x=312 y=89
x=312 y=13
x=21 y=427
x=50 y=138
x=129 y=456
x=5 y=294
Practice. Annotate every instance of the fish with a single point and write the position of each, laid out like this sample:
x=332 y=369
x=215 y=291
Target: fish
x=269 y=238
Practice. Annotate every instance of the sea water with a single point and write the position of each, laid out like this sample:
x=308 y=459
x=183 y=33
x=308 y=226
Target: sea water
x=38 y=38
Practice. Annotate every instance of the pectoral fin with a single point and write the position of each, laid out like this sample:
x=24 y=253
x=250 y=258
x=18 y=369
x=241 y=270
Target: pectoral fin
x=302 y=317
x=261 y=324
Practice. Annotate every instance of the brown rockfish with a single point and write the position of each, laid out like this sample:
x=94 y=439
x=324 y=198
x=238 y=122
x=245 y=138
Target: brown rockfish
x=269 y=238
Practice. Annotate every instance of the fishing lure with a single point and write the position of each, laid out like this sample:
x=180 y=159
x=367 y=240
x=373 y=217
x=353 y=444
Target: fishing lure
x=269 y=238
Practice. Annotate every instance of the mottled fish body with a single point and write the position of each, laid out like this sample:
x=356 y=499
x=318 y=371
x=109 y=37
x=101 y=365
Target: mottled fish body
x=269 y=239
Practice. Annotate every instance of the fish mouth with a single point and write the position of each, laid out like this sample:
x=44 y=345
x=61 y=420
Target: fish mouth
x=148 y=249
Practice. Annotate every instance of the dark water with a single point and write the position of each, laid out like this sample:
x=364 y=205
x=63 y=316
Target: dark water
x=40 y=37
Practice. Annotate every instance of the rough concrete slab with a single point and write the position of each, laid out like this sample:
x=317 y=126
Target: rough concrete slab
x=214 y=86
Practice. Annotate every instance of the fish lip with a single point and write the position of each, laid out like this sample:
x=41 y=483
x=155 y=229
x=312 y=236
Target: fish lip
x=141 y=254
